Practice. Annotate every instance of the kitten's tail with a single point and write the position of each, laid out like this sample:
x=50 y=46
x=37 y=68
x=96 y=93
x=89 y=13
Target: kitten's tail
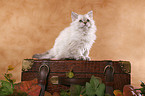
x=40 y=56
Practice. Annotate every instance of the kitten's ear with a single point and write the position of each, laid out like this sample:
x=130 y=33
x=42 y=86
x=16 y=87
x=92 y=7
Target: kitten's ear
x=74 y=16
x=90 y=13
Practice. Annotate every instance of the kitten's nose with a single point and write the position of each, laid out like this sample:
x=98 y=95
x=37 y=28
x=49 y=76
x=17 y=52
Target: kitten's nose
x=85 y=23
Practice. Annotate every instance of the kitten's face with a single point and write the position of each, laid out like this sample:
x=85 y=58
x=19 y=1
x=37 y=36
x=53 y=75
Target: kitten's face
x=83 y=21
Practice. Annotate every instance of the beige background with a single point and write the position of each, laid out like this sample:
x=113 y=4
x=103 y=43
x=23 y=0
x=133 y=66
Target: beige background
x=31 y=26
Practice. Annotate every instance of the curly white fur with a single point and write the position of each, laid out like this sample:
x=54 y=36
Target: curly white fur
x=75 y=41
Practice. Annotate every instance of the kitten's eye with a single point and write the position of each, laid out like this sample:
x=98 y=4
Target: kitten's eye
x=80 y=21
x=88 y=20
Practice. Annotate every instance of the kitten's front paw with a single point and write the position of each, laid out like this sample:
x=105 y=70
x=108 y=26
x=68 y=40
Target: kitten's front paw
x=88 y=58
x=81 y=58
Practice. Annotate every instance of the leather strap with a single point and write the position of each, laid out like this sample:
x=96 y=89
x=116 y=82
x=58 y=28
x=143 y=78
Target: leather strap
x=43 y=74
x=109 y=77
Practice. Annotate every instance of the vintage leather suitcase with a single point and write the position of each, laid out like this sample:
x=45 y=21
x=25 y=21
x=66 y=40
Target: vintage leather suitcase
x=52 y=73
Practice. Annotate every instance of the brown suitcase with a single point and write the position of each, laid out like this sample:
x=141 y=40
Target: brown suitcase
x=52 y=73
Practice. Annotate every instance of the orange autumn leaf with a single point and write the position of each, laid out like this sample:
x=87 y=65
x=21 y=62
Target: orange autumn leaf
x=56 y=94
x=34 y=90
x=117 y=93
x=30 y=87
x=47 y=93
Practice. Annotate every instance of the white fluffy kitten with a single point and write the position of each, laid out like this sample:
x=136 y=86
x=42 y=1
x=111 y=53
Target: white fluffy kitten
x=75 y=41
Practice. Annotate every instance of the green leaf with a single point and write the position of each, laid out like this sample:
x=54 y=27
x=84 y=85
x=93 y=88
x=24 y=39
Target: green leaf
x=6 y=87
x=11 y=81
x=100 y=90
x=90 y=91
x=75 y=90
x=9 y=75
x=3 y=93
x=83 y=90
x=142 y=90
x=94 y=82
x=107 y=94
x=64 y=93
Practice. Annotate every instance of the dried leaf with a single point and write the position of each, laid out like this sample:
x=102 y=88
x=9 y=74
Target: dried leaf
x=56 y=94
x=47 y=94
x=10 y=67
x=30 y=87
